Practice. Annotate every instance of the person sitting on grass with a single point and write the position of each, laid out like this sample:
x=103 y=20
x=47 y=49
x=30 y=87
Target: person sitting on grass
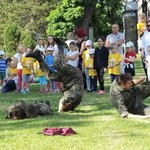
x=70 y=76
x=127 y=95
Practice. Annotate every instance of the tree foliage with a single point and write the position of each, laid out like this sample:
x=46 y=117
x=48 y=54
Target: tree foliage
x=56 y=17
x=99 y=14
x=11 y=37
x=29 y=16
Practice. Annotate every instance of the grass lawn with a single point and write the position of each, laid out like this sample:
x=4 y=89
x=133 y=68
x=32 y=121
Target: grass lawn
x=97 y=123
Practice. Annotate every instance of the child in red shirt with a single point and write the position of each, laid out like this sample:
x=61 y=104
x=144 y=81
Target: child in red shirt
x=129 y=58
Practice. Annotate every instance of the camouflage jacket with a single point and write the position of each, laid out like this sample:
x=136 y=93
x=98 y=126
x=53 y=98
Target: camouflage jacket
x=123 y=100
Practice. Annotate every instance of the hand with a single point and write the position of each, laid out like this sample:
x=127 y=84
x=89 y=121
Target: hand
x=105 y=69
x=142 y=79
x=110 y=66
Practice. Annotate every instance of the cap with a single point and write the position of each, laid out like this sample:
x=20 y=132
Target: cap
x=129 y=44
x=88 y=43
x=91 y=51
x=50 y=48
x=2 y=52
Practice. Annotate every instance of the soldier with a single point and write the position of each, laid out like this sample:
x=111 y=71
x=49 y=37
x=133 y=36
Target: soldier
x=70 y=76
x=21 y=110
x=127 y=95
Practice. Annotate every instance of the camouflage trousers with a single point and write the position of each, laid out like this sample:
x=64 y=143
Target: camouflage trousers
x=72 y=80
x=72 y=97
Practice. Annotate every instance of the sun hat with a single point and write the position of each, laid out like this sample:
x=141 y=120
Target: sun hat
x=50 y=48
x=88 y=43
x=91 y=51
x=129 y=44
x=2 y=52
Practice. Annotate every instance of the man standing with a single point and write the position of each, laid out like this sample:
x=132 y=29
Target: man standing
x=127 y=95
x=117 y=38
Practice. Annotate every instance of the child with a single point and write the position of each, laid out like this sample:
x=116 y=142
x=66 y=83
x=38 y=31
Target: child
x=101 y=63
x=2 y=68
x=114 y=60
x=92 y=72
x=11 y=83
x=147 y=61
x=41 y=45
x=141 y=25
x=72 y=57
x=18 y=56
x=41 y=77
x=27 y=70
x=49 y=58
x=85 y=60
x=129 y=58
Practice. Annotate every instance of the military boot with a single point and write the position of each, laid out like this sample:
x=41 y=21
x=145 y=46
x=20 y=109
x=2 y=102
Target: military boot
x=36 y=55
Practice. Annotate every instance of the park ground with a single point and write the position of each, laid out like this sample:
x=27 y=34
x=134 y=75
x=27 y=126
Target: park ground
x=98 y=125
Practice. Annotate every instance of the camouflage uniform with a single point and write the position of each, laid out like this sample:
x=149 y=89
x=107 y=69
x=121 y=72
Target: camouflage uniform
x=71 y=78
x=130 y=101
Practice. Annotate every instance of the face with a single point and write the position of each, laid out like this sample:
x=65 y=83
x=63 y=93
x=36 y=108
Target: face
x=88 y=46
x=50 y=39
x=41 y=42
x=72 y=47
x=114 y=50
x=1 y=56
x=127 y=85
x=91 y=55
x=148 y=50
x=21 y=50
x=28 y=50
x=148 y=26
x=129 y=49
x=101 y=42
x=50 y=52
x=115 y=28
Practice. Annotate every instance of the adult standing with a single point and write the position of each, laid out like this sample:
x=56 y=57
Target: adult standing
x=145 y=43
x=117 y=38
x=146 y=40
x=80 y=35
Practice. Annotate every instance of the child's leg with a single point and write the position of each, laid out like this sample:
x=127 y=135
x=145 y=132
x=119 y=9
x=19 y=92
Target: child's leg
x=95 y=83
x=28 y=82
x=23 y=83
x=40 y=83
x=19 y=73
x=48 y=86
x=44 y=82
x=87 y=80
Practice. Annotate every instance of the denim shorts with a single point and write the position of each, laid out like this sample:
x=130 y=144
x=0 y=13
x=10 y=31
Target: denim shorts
x=2 y=75
x=26 y=78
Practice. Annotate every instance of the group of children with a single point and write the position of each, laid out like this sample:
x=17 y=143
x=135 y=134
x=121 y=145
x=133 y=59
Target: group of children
x=17 y=72
x=95 y=62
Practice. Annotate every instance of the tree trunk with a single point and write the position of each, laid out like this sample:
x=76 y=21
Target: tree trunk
x=88 y=12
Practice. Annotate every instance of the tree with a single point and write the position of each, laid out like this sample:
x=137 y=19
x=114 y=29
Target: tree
x=11 y=37
x=28 y=15
x=83 y=13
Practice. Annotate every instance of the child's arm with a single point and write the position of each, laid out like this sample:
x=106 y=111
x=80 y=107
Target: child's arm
x=73 y=57
x=130 y=59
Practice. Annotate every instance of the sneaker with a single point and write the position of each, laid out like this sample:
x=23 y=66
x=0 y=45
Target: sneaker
x=89 y=91
x=36 y=54
x=23 y=92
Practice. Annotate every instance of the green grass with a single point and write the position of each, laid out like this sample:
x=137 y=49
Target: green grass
x=98 y=125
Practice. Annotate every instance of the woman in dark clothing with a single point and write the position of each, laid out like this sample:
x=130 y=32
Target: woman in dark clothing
x=80 y=35
x=101 y=62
